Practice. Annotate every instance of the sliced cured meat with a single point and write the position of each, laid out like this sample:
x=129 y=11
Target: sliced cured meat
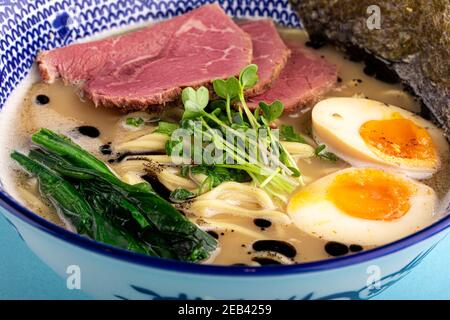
x=151 y=66
x=305 y=77
x=269 y=53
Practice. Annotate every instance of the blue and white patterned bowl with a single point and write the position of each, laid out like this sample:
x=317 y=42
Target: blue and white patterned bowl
x=27 y=26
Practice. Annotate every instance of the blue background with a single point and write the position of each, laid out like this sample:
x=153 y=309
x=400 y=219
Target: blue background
x=24 y=276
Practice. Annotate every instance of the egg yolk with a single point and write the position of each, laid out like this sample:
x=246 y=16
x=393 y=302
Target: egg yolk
x=370 y=194
x=399 y=138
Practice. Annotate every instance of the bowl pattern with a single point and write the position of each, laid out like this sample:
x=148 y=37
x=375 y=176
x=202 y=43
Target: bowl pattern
x=27 y=26
x=364 y=292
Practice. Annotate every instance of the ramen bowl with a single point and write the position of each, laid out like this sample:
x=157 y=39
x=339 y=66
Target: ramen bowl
x=106 y=272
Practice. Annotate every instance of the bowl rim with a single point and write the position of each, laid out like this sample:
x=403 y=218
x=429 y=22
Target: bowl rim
x=13 y=206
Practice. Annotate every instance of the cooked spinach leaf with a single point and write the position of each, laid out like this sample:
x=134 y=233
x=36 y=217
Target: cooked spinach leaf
x=105 y=208
x=181 y=195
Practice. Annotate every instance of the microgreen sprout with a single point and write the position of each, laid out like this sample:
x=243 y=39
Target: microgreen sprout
x=259 y=156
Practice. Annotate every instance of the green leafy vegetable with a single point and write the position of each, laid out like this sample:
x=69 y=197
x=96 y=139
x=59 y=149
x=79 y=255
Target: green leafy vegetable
x=166 y=128
x=217 y=175
x=287 y=133
x=271 y=111
x=181 y=195
x=62 y=146
x=170 y=145
x=194 y=101
x=256 y=157
x=184 y=171
x=135 y=122
x=248 y=76
x=227 y=88
x=321 y=152
x=233 y=88
x=104 y=208
x=70 y=202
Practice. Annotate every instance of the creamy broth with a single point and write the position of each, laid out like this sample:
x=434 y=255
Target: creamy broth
x=65 y=112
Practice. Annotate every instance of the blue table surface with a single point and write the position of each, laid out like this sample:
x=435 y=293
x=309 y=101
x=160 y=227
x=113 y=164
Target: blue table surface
x=24 y=276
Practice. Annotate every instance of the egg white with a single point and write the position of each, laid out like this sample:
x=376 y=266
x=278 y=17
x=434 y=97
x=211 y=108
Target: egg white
x=336 y=123
x=319 y=217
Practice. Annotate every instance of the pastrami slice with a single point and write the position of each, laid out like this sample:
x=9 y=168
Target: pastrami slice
x=151 y=66
x=270 y=53
x=303 y=80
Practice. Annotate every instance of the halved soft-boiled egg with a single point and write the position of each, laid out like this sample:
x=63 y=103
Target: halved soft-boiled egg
x=365 y=132
x=366 y=206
